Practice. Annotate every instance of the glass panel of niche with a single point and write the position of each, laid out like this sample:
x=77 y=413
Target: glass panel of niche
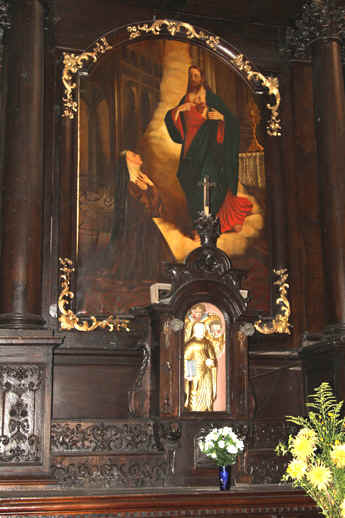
x=205 y=359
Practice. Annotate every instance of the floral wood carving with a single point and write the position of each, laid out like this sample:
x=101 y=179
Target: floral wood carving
x=85 y=437
x=20 y=393
x=320 y=19
x=109 y=472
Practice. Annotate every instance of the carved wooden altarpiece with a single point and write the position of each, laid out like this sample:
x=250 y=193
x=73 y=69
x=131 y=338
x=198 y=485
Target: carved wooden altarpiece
x=207 y=284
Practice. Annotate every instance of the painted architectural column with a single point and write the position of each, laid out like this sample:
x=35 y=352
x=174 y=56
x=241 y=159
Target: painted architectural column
x=319 y=32
x=20 y=266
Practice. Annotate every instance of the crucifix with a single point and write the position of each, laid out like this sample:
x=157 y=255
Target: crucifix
x=206 y=184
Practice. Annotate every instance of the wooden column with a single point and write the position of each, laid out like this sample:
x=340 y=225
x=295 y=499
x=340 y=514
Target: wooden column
x=319 y=31
x=20 y=267
x=329 y=98
x=319 y=34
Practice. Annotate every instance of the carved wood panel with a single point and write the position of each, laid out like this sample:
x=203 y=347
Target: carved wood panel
x=21 y=414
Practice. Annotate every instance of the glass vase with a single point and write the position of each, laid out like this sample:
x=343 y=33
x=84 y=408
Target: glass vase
x=224 y=478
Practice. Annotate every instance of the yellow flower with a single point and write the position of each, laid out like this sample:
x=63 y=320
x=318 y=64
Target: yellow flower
x=296 y=469
x=308 y=433
x=302 y=447
x=342 y=509
x=338 y=455
x=319 y=476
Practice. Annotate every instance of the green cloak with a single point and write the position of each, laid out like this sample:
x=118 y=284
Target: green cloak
x=206 y=157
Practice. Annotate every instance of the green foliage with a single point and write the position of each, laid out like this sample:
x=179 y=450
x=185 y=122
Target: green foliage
x=318 y=452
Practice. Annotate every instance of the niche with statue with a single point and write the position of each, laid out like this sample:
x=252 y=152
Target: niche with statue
x=204 y=359
x=198 y=327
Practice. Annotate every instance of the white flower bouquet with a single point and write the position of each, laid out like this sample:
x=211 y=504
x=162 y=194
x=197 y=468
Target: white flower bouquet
x=222 y=445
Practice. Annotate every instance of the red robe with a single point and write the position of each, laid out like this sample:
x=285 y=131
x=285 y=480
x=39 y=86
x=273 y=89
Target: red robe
x=234 y=209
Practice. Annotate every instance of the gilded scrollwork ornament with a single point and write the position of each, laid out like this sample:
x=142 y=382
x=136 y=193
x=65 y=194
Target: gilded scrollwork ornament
x=271 y=83
x=280 y=323
x=72 y=64
x=69 y=320
x=173 y=27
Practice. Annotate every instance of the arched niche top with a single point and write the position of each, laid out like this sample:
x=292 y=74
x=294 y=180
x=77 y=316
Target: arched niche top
x=80 y=64
x=226 y=297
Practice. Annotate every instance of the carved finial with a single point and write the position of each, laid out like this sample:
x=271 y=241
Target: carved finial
x=208 y=228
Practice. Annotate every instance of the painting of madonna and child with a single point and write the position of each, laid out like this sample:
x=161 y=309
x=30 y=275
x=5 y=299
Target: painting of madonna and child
x=156 y=117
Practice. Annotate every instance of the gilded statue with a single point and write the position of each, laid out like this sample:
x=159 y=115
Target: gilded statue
x=215 y=333
x=197 y=313
x=200 y=371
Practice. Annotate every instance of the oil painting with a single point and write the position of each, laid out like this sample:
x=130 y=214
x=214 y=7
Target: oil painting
x=157 y=120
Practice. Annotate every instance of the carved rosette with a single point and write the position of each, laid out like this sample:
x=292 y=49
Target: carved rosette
x=21 y=418
x=320 y=19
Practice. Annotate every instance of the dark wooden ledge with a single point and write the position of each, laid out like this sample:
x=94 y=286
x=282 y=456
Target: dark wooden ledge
x=177 y=502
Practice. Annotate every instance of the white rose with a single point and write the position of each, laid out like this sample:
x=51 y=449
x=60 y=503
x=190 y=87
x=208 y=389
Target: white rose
x=213 y=455
x=221 y=444
x=232 y=449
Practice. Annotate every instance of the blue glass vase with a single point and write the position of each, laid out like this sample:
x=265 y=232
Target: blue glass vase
x=224 y=478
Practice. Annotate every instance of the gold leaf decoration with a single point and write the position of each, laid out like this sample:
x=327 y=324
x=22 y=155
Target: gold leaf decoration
x=68 y=319
x=272 y=84
x=173 y=27
x=280 y=324
x=72 y=64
